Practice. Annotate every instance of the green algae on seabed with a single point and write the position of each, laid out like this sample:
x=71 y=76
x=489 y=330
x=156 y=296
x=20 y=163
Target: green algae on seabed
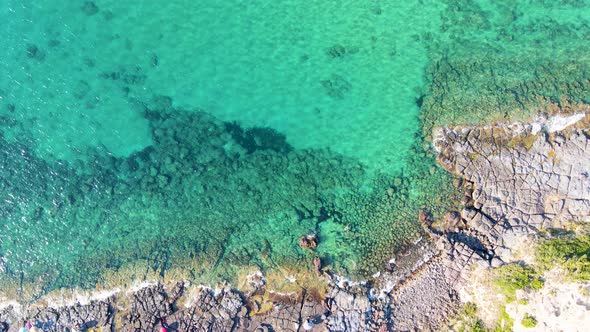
x=278 y=120
x=497 y=60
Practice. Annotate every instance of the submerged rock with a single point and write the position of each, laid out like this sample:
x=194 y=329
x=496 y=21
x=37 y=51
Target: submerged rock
x=34 y=52
x=336 y=86
x=89 y=8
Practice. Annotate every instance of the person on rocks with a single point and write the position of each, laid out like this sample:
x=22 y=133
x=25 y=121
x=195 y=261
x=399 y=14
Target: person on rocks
x=26 y=327
x=165 y=326
x=31 y=328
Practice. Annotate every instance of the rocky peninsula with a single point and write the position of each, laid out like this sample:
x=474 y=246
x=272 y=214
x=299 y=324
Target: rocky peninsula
x=520 y=180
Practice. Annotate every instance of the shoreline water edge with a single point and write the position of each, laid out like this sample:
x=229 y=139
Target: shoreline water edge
x=520 y=180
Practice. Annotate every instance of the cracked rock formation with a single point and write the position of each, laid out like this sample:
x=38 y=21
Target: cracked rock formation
x=525 y=178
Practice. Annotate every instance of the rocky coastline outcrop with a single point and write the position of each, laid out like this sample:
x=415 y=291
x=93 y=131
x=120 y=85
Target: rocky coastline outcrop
x=519 y=179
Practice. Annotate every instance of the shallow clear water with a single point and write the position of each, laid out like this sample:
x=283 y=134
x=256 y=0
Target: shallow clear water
x=315 y=72
x=219 y=132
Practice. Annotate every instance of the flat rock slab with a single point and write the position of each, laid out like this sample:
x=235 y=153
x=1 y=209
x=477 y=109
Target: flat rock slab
x=524 y=179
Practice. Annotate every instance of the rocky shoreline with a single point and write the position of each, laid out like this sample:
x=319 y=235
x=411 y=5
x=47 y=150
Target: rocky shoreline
x=519 y=178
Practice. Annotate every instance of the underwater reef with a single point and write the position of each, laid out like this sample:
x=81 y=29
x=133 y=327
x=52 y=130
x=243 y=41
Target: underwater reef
x=505 y=62
x=210 y=194
x=198 y=169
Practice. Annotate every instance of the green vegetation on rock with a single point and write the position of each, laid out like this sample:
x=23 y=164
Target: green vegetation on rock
x=510 y=278
x=528 y=321
x=468 y=320
x=570 y=254
x=505 y=322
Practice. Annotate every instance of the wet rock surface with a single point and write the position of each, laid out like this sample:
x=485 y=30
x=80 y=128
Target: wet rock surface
x=346 y=307
x=150 y=308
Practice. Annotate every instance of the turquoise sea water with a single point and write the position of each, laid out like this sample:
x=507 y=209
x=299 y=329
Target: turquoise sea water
x=315 y=72
x=220 y=132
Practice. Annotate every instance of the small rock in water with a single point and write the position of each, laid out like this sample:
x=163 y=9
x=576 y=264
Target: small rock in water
x=390 y=192
x=81 y=89
x=336 y=86
x=308 y=241
x=53 y=43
